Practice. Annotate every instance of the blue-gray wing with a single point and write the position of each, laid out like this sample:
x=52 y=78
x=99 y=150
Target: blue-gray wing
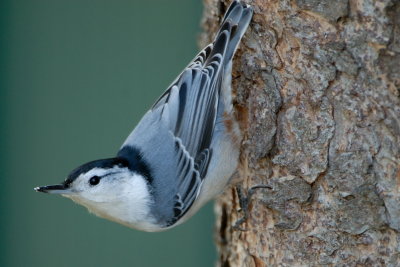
x=190 y=107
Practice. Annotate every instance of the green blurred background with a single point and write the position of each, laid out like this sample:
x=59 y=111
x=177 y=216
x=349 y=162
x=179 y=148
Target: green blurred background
x=75 y=78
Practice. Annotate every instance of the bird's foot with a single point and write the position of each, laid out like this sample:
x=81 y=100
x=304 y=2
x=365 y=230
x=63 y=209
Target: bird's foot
x=244 y=203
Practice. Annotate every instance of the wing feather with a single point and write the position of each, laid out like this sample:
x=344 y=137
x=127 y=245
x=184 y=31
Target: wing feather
x=190 y=106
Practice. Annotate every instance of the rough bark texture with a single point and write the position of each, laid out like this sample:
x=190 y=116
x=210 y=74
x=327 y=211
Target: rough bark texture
x=317 y=92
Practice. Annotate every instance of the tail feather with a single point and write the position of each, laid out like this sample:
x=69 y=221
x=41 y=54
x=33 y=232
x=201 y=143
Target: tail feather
x=238 y=16
x=239 y=31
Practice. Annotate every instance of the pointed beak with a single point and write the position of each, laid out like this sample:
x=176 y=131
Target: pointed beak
x=53 y=189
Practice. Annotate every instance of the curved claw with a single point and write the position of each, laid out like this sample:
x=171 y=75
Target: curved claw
x=244 y=202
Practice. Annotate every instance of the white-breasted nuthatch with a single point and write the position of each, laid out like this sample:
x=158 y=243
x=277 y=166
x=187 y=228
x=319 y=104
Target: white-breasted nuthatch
x=183 y=151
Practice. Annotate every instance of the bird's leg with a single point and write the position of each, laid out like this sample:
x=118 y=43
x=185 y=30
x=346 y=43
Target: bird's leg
x=235 y=77
x=244 y=203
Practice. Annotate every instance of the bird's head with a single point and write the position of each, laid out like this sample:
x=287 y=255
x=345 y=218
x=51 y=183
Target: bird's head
x=107 y=187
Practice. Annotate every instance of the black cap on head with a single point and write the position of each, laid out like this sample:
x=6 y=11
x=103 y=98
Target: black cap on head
x=128 y=157
x=64 y=186
x=100 y=163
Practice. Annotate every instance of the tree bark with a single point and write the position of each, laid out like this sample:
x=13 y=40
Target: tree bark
x=317 y=87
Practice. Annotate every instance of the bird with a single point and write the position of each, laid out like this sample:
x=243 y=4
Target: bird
x=182 y=153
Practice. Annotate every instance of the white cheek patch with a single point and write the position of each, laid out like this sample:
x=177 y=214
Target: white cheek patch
x=124 y=198
x=81 y=184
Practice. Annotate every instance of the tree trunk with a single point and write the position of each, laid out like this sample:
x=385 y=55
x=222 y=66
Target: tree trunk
x=317 y=94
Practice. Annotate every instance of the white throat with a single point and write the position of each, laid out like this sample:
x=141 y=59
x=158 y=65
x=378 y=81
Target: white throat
x=125 y=199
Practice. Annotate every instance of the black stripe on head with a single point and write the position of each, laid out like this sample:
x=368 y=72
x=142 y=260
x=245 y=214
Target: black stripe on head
x=101 y=163
x=136 y=162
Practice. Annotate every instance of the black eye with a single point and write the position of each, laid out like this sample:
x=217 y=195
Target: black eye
x=94 y=180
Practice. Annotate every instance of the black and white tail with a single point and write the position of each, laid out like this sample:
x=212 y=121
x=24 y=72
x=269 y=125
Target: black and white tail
x=233 y=27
